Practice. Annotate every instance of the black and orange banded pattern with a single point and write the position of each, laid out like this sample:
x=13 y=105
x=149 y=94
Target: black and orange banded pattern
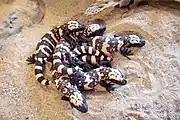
x=45 y=48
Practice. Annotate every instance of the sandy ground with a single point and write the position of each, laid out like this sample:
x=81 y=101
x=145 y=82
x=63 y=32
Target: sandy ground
x=153 y=72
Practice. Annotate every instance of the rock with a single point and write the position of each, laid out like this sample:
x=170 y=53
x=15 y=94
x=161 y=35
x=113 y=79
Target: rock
x=151 y=94
x=101 y=5
x=11 y=25
x=153 y=70
x=22 y=16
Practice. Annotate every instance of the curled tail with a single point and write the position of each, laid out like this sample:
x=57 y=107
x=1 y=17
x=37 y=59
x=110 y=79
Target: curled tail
x=39 y=69
x=31 y=59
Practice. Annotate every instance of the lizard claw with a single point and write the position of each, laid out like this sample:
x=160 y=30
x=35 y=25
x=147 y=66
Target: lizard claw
x=110 y=89
x=129 y=52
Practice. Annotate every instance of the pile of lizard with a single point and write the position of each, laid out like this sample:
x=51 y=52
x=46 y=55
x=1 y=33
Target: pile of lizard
x=81 y=58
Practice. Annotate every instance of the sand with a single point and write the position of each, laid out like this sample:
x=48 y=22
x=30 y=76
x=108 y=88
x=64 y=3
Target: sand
x=153 y=72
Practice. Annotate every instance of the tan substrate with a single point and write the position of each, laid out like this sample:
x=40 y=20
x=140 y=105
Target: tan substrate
x=21 y=97
x=153 y=72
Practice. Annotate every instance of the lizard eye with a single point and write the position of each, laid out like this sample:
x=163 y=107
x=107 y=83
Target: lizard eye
x=132 y=41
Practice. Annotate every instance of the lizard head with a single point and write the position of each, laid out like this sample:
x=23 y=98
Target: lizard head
x=75 y=26
x=112 y=75
x=75 y=97
x=78 y=101
x=134 y=41
x=96 y=28
x=117 y=77
x=129 y=41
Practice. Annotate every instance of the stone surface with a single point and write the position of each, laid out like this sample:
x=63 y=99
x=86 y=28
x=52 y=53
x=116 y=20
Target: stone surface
x=153 y=89
x=101 y=5
x=19 y=14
